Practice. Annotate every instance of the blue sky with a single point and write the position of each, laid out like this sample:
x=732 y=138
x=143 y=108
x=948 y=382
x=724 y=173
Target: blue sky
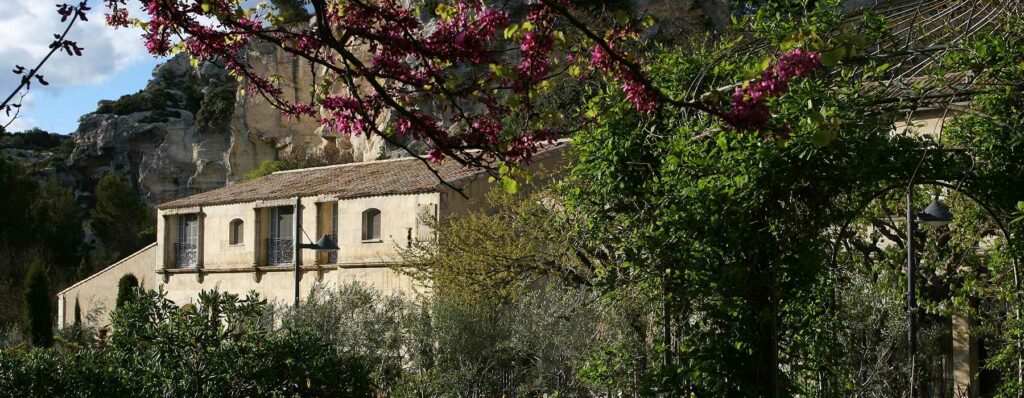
x=114 y=63
x=64 y=105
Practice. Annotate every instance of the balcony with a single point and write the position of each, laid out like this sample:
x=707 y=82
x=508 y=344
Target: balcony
x=280 y=251
x=186 y=255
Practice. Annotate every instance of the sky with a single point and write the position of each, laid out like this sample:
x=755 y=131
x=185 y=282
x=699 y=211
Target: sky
x=113 y=63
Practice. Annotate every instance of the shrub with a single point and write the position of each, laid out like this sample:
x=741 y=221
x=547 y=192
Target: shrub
x=37 y=317
x=126 y=287
x=225 y=346
x=56 y=373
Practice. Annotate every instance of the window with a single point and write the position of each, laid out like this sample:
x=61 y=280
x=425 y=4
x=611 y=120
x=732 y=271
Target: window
x=236 y=232
x=186 y=251
x=280 y=244
x=371 y=225
x=332 y=256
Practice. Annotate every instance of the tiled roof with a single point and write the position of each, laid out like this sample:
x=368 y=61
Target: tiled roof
x=387 y=177
x=354 y=180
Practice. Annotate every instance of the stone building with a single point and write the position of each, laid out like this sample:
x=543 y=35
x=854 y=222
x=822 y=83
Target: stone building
x=241 y=237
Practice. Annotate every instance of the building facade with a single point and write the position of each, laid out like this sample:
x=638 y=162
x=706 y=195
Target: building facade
x=242 y=237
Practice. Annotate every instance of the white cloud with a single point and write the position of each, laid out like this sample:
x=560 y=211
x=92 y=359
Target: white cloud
x=21 y=120
x=28 y=28
x=22 y=123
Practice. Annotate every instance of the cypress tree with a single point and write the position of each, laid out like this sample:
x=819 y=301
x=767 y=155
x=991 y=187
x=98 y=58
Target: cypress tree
x=78 y=313
x=37 y=317
x=126 y=288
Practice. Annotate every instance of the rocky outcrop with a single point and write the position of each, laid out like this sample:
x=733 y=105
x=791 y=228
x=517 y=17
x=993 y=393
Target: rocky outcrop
x=152 y=136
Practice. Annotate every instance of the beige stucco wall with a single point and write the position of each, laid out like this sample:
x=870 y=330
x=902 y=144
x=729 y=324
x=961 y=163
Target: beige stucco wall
x=97 y=293
x=399 y=217
x=278 y=285
x=242 y=268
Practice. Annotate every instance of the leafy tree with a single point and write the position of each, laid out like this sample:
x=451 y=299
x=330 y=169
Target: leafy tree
x=120 y=218
x=18 y=196
x=38 y=319
x=510 y=242
x=58 y=222
x=126 y=287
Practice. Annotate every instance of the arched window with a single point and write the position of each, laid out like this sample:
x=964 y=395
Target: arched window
x=371 y=224
x=237 y=232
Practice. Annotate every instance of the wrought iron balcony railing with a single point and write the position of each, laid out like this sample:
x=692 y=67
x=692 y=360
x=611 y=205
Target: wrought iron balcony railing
x=280 y=250
x=186 y=255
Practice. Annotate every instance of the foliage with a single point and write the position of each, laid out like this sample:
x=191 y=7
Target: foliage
x=168 y=91
x=510 y=242
x=232 y=351
x=530 y=345
x=451 y=82
x=222 y=346
x=214 y=115
x=731 y=229
x=37 y=222
x=38 y=318
x=58 y=223
x=120 y=218
x=34 y=139
x=290 y=11
x=58 y=373
x=297 y=158
x=126 y=290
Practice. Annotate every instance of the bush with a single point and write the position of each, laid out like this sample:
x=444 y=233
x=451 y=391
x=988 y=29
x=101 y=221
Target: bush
x=225 y=346
x=38 y=319
x=452 y=345
x=55 y=373
x=126 y=287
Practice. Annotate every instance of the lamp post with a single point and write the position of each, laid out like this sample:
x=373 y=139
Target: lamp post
x=325 y=243
x=937 y=214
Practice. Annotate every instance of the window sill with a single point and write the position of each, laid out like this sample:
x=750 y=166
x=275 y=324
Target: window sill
x=372 y=241
x=236 y=244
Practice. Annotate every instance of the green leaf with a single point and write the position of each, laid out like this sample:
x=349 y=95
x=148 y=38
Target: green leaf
x=823 y=137
x=511 y=30
x=829 y=58
x=509 y=184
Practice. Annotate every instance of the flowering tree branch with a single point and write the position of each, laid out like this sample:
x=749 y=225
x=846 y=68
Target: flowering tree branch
x=60 y=42
x=451 y=83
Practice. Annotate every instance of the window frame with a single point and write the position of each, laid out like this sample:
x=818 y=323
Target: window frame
x=372 y=225
x=189 y=233
x=236 y=232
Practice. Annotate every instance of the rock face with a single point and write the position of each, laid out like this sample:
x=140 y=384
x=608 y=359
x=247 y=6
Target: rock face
x=152 y=137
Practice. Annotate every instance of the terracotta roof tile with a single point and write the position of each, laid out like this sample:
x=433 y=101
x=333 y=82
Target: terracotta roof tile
x=354 y=180
x=388 y=177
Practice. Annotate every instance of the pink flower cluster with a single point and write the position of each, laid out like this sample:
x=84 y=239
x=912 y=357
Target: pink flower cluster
x=348 y=114
x=643 y=97
x=536 y=46
x=411 y=60
x=749 y=101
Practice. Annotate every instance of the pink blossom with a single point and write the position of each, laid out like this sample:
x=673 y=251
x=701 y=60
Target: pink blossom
x=749 y=109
